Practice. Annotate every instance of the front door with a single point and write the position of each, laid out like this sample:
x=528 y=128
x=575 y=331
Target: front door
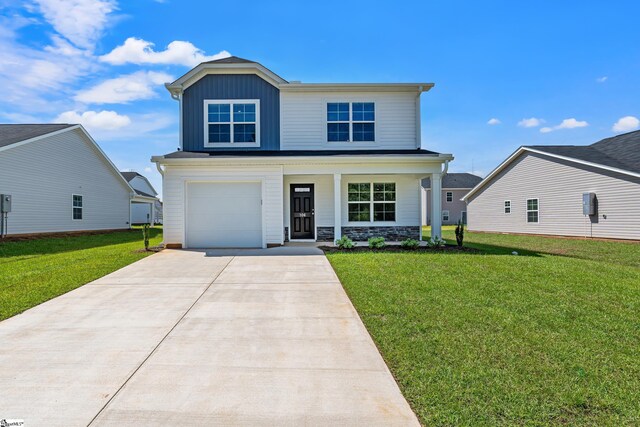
x=302 y=212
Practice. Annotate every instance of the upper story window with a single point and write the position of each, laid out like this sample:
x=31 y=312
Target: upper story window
x=449 y=196
x=234 y=122
x=351 y=121
x=507 y=206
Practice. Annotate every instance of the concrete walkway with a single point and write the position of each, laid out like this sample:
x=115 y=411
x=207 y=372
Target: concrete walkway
x=264 y=337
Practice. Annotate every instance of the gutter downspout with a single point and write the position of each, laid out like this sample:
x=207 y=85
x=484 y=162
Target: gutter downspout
x=446 y=167
x=418 y=120
x=177 y=95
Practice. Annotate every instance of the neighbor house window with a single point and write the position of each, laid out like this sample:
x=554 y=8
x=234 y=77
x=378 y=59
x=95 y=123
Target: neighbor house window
x=76 y=206
x=232 y=122
x=445 y=215
x=532 y=210
x=507 y=206
x=372 y=202
x=449 y=196
x=353 y=121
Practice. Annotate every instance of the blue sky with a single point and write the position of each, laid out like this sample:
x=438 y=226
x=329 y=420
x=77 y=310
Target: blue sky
x=547 y=72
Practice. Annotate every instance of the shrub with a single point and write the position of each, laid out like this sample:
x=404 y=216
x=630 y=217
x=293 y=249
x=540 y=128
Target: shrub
x=345 y=243
x=460 y=233
x=410 y=244
x=145 y=236
x=436 y=242
x=377 y=242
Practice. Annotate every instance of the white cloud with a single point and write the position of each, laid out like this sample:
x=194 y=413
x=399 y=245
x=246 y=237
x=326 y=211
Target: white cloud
x=530 y=122
x=566 y=124
x=138 y=51
x=602 y=79
x=626 y=124
x=493 y=122
x=79 y=21
x=95 y=120
x=123 y=89
x=147 y=169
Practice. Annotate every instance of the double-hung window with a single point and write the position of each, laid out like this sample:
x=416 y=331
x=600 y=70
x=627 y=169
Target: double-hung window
x=449 y=196
x=445 y=215
x=532 y=210
x=507 y=206
x=351 y=121
x=76 y=206
x=372 y=202
x=232 y=122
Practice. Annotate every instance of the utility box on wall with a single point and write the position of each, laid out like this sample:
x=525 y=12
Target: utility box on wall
x=589 y=204
x=5 y=203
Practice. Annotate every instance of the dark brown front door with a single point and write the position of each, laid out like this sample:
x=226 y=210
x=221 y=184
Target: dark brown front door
x=302 y=212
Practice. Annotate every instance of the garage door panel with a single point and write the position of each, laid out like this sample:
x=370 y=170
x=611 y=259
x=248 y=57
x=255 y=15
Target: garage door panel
x=224 y=215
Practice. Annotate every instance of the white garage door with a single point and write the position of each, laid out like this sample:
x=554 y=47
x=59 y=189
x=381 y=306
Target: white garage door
x=224 y=215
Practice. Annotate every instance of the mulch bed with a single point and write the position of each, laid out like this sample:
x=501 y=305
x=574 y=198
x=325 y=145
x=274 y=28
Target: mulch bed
x=398 y=248
x=151 y=249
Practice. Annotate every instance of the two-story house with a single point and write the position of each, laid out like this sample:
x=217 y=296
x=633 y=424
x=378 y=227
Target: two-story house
x=263 y=160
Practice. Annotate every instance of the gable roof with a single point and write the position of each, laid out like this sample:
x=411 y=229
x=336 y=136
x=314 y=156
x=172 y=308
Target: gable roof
x=236 y=65
x=455 y=180
x=230 y=60
x=619 y=154
x=14 y=133
x=130 y=175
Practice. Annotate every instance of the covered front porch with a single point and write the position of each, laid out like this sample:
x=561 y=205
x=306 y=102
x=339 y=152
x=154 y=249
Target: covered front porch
x=323 y=207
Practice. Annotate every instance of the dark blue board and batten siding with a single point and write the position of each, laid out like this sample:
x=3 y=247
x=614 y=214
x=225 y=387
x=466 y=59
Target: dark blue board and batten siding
x=230 y=86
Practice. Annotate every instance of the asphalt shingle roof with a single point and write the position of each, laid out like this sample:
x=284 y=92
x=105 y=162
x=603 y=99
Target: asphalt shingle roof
x=292 y=153
x=230 y=60
x=620 y=152
x=11 y=133
x=129 y=175
x=455 y=180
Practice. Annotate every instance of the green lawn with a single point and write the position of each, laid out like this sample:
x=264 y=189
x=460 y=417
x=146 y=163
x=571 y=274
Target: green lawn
x=548 y=337
x=34 y=271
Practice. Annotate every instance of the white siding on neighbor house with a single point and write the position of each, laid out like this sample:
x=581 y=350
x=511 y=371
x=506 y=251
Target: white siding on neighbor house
x=303 y=117
x=141 y=184
x=174 y=190
x=408 y=189
x=43 y=175
x=141 y=213
x=559 y=186
x=323 y=192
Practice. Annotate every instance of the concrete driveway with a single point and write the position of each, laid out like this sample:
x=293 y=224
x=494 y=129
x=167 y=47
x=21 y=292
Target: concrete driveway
x=264 y=337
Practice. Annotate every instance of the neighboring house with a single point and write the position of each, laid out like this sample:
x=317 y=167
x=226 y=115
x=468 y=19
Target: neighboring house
x=145 y=203
x=59 y=180
x=264 y=160
x=541 y=189
x=454 y=187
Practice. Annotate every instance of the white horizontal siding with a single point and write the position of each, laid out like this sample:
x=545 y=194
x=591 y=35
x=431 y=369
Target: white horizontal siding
x=42 y=176
x=304 y=120
x=559 y=187
x=141 y=184
x=174 y=186
x=408 y=189
x=141 y=213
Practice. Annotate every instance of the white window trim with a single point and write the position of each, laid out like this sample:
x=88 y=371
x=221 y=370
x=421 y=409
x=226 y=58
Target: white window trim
x=231 y=123
x=76 y=207
x=531 y=210
x=350 y=122
x=371 y=203
x=446 y=196
x=504 y=207
x=445 y=213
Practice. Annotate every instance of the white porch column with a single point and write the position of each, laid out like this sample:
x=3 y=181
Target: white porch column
x=337 y=206
x=436 y=205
